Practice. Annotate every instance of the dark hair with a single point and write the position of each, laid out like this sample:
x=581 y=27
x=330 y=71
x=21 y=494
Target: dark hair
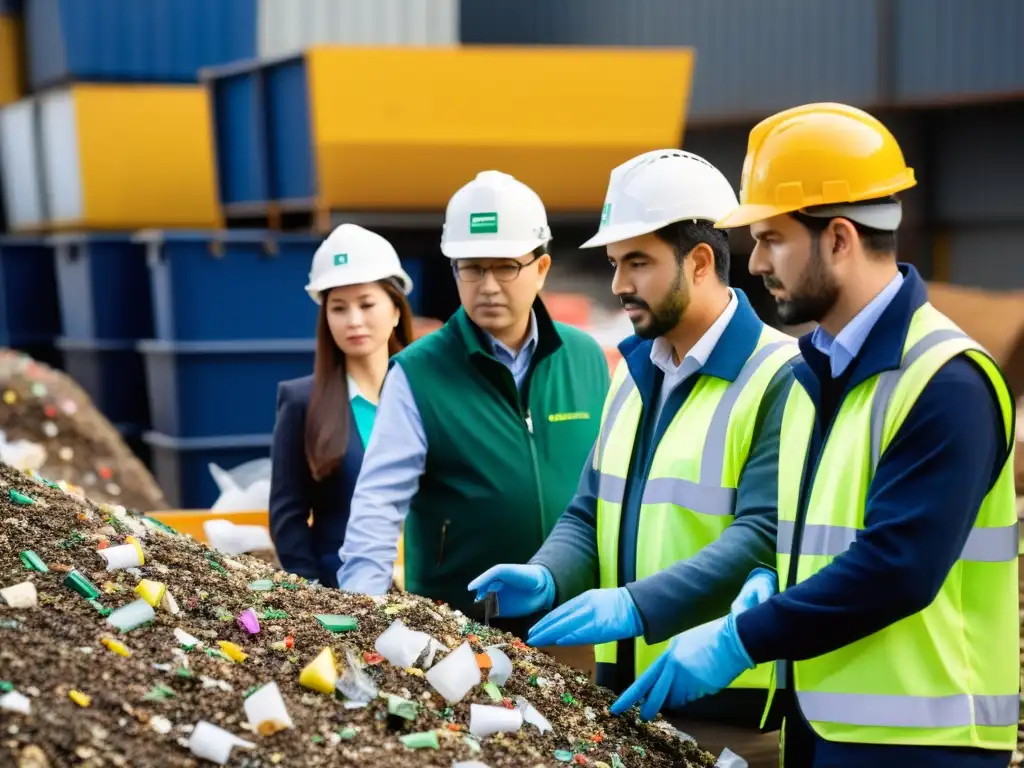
x=540 y=250
x=327 y=418
x=686 y=235
x=875 y=241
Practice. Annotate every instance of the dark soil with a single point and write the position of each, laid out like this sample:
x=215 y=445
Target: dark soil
x=54 y=648
x=82 y=447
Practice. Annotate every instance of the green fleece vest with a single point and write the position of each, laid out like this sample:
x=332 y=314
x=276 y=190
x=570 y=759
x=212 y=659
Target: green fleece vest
x=501 y=465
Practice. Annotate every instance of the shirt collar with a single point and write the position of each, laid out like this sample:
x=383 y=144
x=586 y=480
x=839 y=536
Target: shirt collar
x=532 y=337
x=661 y=349
x=846 y=345
x=354 y=391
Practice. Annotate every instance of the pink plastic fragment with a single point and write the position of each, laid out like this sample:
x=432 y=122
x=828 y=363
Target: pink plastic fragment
x=249 y=621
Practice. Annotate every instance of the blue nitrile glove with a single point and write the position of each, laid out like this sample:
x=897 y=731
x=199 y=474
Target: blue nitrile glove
x=522 y=589
x=699 y=662
x=760 y=585
x=596 y=616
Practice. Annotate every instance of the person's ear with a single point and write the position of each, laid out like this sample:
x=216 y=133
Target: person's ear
x=702 y=258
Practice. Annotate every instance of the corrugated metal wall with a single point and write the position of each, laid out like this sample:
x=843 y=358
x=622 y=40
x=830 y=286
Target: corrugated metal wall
x=290 y=26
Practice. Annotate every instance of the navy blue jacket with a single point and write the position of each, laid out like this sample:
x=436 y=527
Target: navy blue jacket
x=309 y=551
x=703 y=587
x=921 y=506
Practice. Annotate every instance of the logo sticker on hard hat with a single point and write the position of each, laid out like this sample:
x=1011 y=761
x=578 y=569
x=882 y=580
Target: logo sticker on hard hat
x=606 y=213
x=340 y=259
x=483 y=223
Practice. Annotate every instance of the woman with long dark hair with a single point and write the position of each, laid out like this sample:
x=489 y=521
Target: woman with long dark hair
x=324 y=420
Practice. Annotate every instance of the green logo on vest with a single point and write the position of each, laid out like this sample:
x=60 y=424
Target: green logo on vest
x=606 y=213
x=340 y=259
x=570 y=416
x=483 y=223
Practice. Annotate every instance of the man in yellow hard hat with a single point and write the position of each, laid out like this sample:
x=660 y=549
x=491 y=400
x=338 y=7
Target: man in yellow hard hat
x=896 y=622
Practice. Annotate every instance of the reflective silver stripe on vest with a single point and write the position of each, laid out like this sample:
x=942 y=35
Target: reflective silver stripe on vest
x=883 y=711
x=888 y=380
x=984 y=545
x=611 y=489
x=706 y=499
x=618 y=401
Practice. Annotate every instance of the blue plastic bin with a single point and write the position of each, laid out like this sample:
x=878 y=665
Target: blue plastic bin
x=165 y=41
x=212 y=388
x=181 y=465
x=29 y=313
x=113 y=375
x=230 y=285
x=103 y=284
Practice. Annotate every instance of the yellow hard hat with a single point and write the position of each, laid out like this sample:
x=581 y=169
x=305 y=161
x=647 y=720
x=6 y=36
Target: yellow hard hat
x=817 y=154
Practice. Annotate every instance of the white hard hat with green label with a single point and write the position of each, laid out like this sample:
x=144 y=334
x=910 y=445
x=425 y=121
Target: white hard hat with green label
x=352 y=255
x=658 y=188
x=495 y=216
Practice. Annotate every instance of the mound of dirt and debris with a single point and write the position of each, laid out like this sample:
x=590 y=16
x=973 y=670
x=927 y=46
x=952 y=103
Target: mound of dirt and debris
x=52 y=426
x=125 y=643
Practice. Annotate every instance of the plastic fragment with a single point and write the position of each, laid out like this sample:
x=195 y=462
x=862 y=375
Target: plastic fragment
x=485 y=720
x=399 y=707
x=531 y=715
x=501 y=665
x=456 y=674
x=33 y=562
x=248 y=621
x=354 y=684
x=729 y=759
x=400 y=645
x=80 y=583
x=151 y=591
x=115 y=647
x=213 y=743
x=337 y=623
x=273 y=613
x=262 y=585
x=483 y=661
x=185 y=640
x=348 y=733
x=6 y=686
x=123 y=556
x=321 y=674
x=81 y=699
x=232 y=651
x=563 y=755
x=12 y=701
x=20 y=498
x=160 y=724
x=169 y=604
x=159 y=693
x=22 y=595
x=131 y=616
x=266 y=711
x=424 y=740
x=372 y=658
x=234 y=539
x=492 y=691
x=617 y=761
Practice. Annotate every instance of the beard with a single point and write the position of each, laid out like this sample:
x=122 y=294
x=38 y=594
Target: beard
x=666 y=315
x=814 y=295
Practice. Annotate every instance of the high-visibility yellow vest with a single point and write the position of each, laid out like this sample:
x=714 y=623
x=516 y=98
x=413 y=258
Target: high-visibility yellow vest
x=948 y=675
x=690 y=491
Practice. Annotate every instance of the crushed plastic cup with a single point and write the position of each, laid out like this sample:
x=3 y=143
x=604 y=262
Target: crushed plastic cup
x=234 y=539
x=400 y=645
x=456 y=674
x=266 y=712
x=123 y=556
x=531 y=715
x=486 y=720
x=249 y=621
x=321 y=674
x=16 y=702
x=151 y=591
x=133 y=615
x=354 y=684
x=21 y=595
x=213 y=743
x=501 y=665
x=729 y=759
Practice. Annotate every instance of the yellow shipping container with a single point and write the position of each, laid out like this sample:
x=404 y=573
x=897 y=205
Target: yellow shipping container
x=10 y=60
x=403 y=128
x=115 y=157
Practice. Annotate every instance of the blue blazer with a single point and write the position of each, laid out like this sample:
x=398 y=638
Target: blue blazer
x=309 y=551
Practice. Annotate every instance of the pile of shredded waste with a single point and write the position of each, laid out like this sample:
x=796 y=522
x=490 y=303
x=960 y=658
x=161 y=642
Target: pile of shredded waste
x=123 y=643
x=50 y=425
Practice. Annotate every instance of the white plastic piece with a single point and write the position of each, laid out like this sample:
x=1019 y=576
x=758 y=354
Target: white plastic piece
x=210 y=742
x=501 y=665
x=121 y=557
x=21 y=595
x=400 y=645
x=532 y=715
x=432 y=649
x=169 y=604
x=185 y=639
x=729 y=759
x=265 y=709
x=22 y=454
x=160 y=724
x=354 y=684
x=231 y=539
x=243 y=488
x=456 y=674
x=16 y=702
x=130 y=616
x=486 y=720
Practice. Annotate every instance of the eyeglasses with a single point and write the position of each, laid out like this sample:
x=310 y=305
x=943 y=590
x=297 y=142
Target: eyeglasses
x=503 y=273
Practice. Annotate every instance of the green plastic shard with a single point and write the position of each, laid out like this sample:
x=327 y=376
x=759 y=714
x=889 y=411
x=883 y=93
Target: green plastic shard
x=33 y=562
x=492 y=691
x=20 y=498
x=100 y=608
x=159 y=693
x=402 y=707
x=347 y=733
x=337 y=623
x=263 y=585
x=81 y=584
x=424 y=740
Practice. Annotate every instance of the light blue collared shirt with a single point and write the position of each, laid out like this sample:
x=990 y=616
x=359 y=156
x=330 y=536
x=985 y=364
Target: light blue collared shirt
x=843 y=348
x=390 y=475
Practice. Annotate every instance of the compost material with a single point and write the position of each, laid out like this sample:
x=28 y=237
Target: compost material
x=213 y=630
x=47 y=408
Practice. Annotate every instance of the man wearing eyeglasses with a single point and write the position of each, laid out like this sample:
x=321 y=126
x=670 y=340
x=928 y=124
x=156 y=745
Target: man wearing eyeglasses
x=483 y=426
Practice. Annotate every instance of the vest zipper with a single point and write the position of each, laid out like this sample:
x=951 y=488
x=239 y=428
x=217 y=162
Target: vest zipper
x=528 y=420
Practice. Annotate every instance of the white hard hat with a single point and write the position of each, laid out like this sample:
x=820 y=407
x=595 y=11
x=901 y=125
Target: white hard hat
x=494 y=216
x=658 y=188
x=352 y=255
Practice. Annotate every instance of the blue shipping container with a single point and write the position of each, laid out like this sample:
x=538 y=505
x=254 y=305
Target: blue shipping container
x=215 y=388
x=133 y=40
x=230 y=285
x=103 y=284
x=113 y=375
x=181 y=466
x=29 y=313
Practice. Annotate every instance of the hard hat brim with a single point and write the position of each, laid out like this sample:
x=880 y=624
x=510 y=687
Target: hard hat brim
x=316 y=289
x=619 y=232
x=749 y=214
x=490 y=249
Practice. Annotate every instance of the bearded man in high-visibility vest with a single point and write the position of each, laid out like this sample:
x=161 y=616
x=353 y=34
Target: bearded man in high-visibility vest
x=896 y=620
x=677 y=504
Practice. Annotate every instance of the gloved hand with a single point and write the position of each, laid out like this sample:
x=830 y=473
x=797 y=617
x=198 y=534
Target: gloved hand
x=596 y=616
x=760 y=585
x=522 y=589
x=699 y=662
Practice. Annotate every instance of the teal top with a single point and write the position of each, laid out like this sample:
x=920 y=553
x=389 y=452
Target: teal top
x=363 y=410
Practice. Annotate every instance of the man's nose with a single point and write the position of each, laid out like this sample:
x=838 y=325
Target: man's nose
x=621 y=286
